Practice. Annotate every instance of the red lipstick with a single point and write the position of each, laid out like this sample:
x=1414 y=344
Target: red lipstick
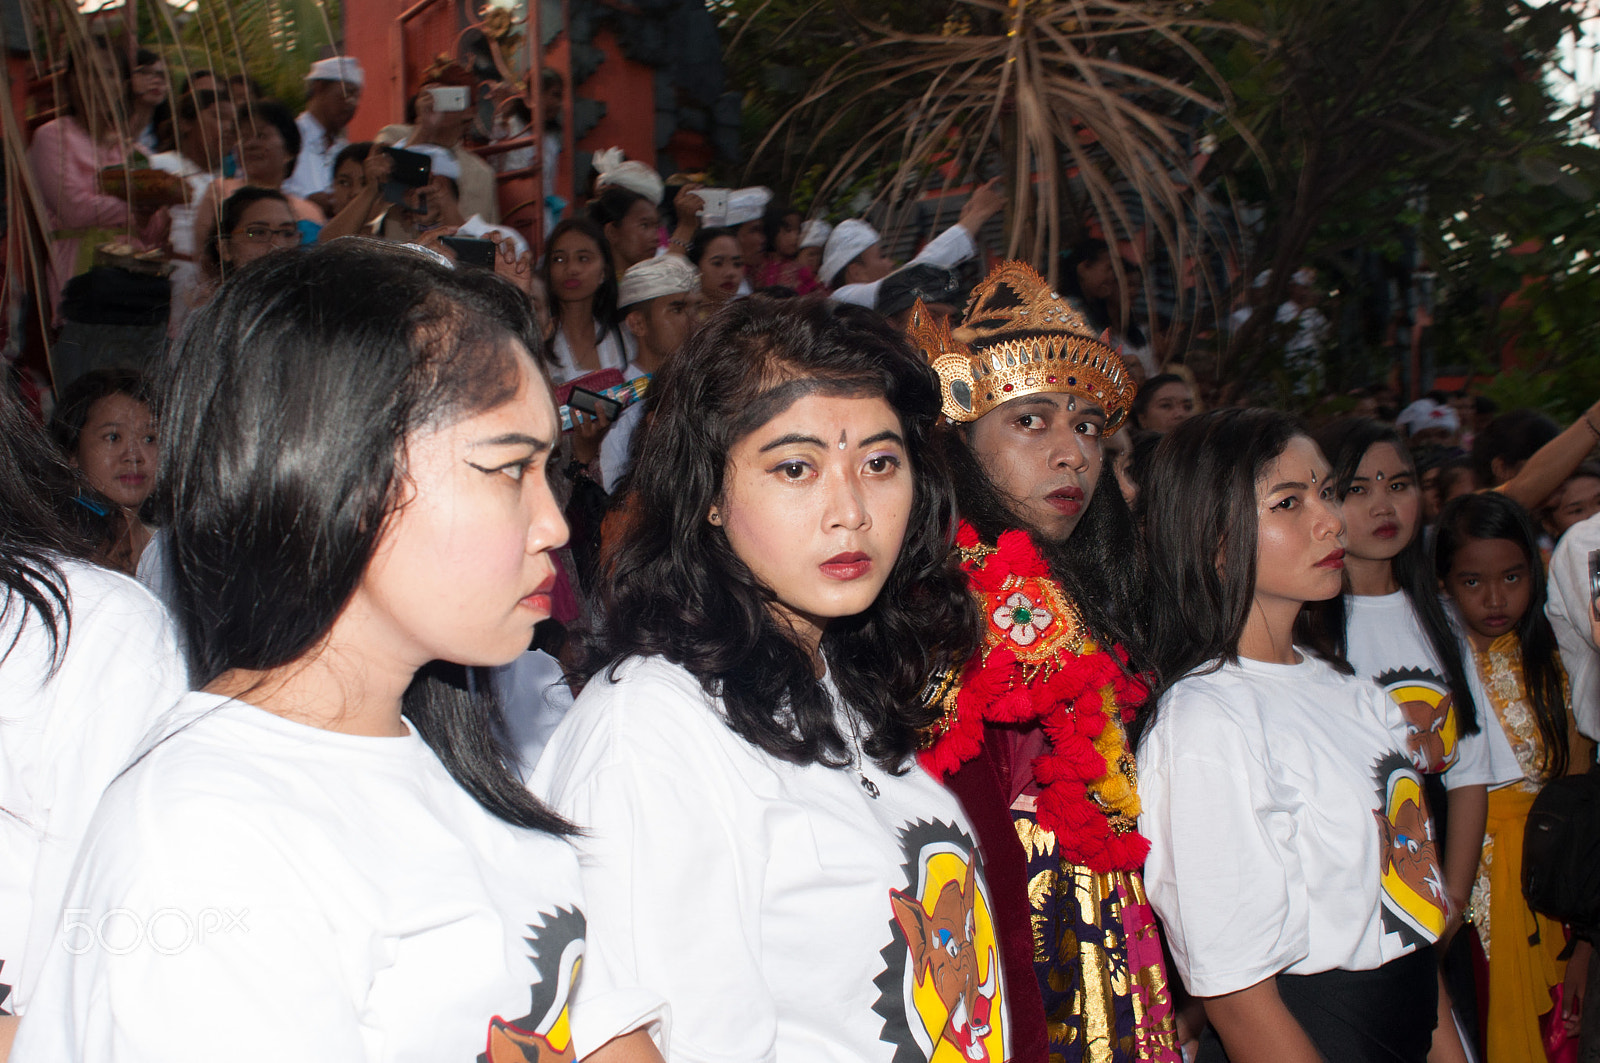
x=847 y=567
x=1386 y=531
x=1333 y=560
x=539 y=600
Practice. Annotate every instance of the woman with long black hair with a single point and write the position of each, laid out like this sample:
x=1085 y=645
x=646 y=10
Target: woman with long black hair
x=582 y=282
x=326 y=856
x=760 y=847
x=1292 y=857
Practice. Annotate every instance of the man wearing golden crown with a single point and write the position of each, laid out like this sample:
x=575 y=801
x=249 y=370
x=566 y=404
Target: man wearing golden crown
x=1031 y=737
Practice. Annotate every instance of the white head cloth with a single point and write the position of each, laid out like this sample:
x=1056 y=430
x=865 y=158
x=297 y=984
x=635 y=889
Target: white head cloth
x=344 y=68
x=848 y=240
x=1424 y=414
x=748 y=204
x=614 y=171
x=814 y=233
x=655 y=277
x=444 y=160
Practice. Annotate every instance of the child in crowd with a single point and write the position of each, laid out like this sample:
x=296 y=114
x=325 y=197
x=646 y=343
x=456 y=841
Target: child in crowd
x=1575 y=500
x=781 y=265
x=1292 y=857
x=1486 y=555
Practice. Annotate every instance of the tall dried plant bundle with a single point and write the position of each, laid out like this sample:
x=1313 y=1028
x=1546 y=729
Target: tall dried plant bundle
x=1042 y=85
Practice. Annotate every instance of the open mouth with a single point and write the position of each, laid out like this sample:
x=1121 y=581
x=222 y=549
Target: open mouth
x=1067 y=501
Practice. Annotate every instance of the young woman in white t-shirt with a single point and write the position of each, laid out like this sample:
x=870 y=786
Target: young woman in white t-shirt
x=759 y=845
x=582 y=281
x=1393 y=629
x=88 y=663
x=326 y=857
x=1292 y=858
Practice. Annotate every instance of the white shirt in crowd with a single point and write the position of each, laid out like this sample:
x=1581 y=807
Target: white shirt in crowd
x=259 y=889
x=186 y=271
x=615 y=348
x=1388 y=646
x=63 y=738
x=313 y=169
x=1285 y=827
x=949 y=249
x=785 y=912
x=1568 y=608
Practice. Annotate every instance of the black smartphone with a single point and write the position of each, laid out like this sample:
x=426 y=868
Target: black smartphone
x=411 y=168
x=1594 y=583
x=592 y=402
x=471 y=252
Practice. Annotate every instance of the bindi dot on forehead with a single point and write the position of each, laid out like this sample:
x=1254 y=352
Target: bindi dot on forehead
x=841 y=440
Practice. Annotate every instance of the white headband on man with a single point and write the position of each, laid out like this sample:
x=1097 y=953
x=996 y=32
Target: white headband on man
x=849 y=239
x=346 y=68
x=615 y=171
x=655 y=277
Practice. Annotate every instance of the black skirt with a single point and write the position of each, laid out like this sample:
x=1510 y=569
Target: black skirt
x=1385 y=1015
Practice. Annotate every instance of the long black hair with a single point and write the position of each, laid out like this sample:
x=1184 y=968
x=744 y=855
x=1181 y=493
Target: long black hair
x=1201 y=528
x=1345 y=444
x=677 y=589
x=34 y=479
x=1492 y=515
x=296 y=401
x=1096 y=564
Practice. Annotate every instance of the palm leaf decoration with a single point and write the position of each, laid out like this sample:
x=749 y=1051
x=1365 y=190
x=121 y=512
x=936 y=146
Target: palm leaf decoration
x=1091 y=108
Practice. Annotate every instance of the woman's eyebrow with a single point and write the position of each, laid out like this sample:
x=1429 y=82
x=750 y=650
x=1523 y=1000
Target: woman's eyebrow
x=513 y=439
x=789 y=439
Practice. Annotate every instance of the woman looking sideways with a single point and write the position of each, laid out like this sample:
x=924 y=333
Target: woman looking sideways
x=333 y=792
x=582 y=284
x=1292 y=858
x=760 y=847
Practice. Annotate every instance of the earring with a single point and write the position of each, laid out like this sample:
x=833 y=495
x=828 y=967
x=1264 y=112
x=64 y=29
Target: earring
x=715 y=518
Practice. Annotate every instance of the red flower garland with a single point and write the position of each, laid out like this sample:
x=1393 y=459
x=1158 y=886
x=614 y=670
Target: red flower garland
x=1070 y=701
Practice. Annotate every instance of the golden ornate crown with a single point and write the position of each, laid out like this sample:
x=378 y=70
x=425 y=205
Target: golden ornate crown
x=1019 y=338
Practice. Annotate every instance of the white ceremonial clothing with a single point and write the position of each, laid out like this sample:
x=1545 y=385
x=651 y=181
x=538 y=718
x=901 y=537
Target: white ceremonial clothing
x=1264 y=790
x=63 y=738
x=1387 y=644
x=949 y=249
x=313 y=169
x=263 y=890
x=1567 y=607
x=614 y=346
x=766 y=901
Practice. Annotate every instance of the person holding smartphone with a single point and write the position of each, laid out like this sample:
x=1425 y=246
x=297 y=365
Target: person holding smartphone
x=438 y=116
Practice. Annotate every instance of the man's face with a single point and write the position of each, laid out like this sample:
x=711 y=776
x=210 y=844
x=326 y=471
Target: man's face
x=871 y=265
x=336 y=103
x=662 y=326
x=1043 y=453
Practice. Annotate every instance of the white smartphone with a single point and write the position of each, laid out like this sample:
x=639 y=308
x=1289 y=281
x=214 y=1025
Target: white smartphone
x=714 y=209
x=449 y=98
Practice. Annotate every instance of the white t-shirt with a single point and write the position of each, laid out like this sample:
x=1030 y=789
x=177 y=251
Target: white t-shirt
x=1387 y=645
x=1274 y=797
x=1568 y=610
x=258 y=889
x=784 y=912
x=614 y=347
x=63 y=738
x=313 y=169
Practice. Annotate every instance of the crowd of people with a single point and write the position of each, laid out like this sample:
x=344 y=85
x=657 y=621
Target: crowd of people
x=701 y=637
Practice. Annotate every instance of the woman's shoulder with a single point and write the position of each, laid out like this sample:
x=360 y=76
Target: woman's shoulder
x=642 y=710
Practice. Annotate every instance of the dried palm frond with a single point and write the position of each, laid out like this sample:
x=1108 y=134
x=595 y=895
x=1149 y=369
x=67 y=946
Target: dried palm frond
x=1042 y=87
